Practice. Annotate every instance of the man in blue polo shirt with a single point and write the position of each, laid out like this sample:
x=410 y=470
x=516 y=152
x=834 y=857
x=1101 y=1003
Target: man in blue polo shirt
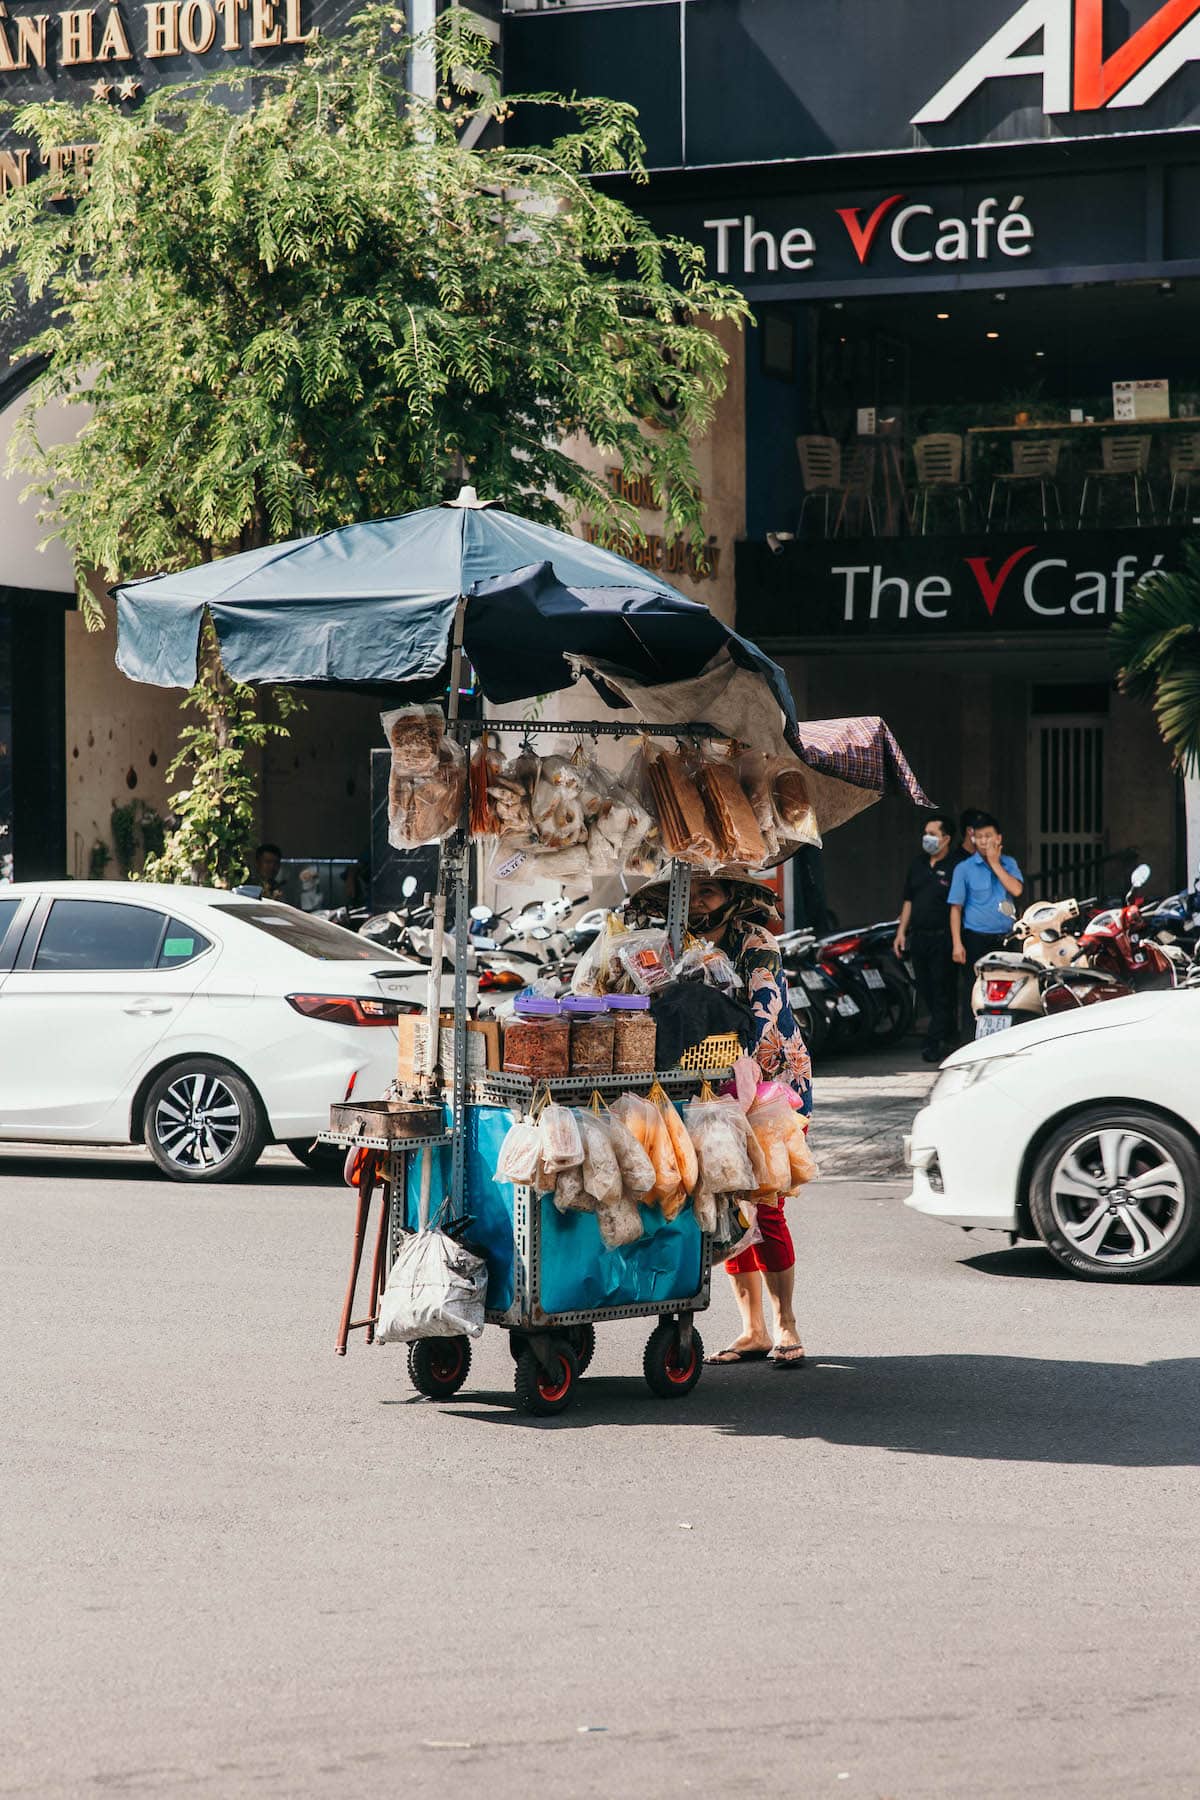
x=981 y=885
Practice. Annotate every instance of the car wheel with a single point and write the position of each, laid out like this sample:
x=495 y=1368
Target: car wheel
x=204 y=1122
x=323 y=1159
x=1115 y=1196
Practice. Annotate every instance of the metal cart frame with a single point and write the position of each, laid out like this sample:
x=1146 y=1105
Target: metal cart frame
x=535 y=1334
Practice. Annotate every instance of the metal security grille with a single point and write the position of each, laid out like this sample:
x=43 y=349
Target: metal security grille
x=1066 y=804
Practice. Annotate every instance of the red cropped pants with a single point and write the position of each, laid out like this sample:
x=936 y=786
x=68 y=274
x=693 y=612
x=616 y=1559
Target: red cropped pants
x=776 y=1252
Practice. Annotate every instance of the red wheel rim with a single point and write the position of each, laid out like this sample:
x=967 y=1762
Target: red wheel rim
x=675 y=1370
x=447 y=1361
x=549 y=1390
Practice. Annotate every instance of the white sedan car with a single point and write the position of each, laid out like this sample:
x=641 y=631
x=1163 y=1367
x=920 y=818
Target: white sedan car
x=1083 y=1131
x=202 y=1023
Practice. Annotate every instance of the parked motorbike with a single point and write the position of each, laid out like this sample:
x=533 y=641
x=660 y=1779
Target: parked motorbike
x=1010 y=984
x=1121 y=957
x=813 y=993
x=890 y=983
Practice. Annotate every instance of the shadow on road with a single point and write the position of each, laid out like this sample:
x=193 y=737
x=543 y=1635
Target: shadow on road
x=79 y=1166
x=1031 y=1263
x=1006 y=1408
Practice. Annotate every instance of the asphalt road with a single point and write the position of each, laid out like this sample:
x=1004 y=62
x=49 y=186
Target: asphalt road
x=956 y=1556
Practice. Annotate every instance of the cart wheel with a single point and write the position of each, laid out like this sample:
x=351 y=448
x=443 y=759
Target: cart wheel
x=544 y=1394
x=668 y=1373
x=439 y=1366
x=517 y=1344
x=583 y=1342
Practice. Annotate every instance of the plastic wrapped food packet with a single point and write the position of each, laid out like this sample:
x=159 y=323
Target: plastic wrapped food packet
x=519 y=1153
x=570 y=1194
x=681 y=1143
x=427 y=807
x=677 y=804
x=793 y=803
x=486 y=764
x=637 y=1171
x=562 y=1147
x=647 y=1125
x=601 y=1170
x=415 y=734
x=510 y=787
x=704 y=1205
x=557 y=804
x=754 y=773
x=620 y=1224
x=771 y=1124
x=730 y=813
x=645 y=958
x=592 y=968
x=710 y=963
x=720 y=1137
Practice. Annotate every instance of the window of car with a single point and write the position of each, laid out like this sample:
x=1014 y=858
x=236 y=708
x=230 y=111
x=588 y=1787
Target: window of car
x=314 y=937
x=108 y=934
x=8 y=912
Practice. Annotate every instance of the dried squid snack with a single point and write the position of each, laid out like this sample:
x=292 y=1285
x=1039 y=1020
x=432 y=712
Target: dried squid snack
x=620 y=1224
x=519 y=1153
x=562 y=1146
x=601 y=1170
x=637 y=1171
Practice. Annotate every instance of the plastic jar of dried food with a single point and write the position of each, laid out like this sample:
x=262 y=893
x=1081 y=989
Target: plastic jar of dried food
x=636 y=1034
x=537 y=1040
x=593 y=1035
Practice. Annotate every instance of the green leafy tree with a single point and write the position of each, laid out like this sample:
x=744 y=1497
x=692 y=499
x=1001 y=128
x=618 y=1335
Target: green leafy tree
x=294 y=299
x=1156 y=641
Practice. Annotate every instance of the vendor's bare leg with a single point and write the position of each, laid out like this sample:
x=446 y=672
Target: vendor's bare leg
x=781 y=1285
x=747 y=1291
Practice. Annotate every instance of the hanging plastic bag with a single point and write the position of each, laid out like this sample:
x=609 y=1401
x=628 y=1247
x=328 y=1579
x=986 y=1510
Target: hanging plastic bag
x=510 y=790
x=645 y=959
x=620 y=1224
x=437 y=1288
x=793 y=802
x=637 y=1171
x=520 y=1153
x=561 y=1145
x=681 y=1143
x=601 y=1170
x=570 y=1195
x=557 y=804
x=646 y=1123
x=415 y=734
x=427 y=806
x=737 y=1230
x=754 y=773
x=730 y=814
x=720 y=1137
x=771 y=1123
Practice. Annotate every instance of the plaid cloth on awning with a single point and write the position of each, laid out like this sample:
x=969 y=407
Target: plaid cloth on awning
x=862 y=752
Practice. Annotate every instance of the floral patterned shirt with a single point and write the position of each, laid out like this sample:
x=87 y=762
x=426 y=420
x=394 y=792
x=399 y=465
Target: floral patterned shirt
x=779 y=1048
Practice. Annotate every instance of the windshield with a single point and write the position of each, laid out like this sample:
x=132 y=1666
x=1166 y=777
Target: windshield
x=315 y=937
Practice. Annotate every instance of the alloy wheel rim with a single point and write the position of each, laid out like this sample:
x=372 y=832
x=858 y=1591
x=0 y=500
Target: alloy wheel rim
x=1117 y=1196
x=197 y=1122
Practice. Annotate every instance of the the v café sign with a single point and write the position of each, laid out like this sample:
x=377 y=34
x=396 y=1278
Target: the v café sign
x=910 y=230
x=984 y=584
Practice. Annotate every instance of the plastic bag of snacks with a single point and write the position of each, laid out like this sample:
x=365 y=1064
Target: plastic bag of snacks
x=720 y=1138
x=620 y=1224
x=648 y=1126
x=637 y=1171
x=793 y=801
x=597 y=969
x=772 y=1123
x=645 y=958
x=681 y=1144
x=601 y=1170
x=569 y=1192
x=710 y=964
x=510 y=796
x=562 y=1147
x=731 y=815
x=428 y=778
x=519 y=1153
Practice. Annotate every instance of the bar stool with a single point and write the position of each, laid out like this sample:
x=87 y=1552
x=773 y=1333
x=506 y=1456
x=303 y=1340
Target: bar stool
x=1035 y=460
x=1123 y=457
x=821 y=473
x=1183 y=460
x=939 y=458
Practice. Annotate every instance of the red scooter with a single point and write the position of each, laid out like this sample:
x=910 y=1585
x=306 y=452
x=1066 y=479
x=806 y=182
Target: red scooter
x=1118 y=958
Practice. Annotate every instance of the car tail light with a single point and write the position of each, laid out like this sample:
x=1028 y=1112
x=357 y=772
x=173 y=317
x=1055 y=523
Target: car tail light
x=998 y=990
x=346 y=1009
x=491 y=979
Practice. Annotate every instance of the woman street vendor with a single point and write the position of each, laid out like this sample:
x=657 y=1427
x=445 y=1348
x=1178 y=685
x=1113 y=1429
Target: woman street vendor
x=734 y=911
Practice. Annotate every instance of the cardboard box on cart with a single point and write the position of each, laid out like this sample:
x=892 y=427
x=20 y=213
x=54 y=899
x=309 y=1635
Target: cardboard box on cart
x=483 y=1045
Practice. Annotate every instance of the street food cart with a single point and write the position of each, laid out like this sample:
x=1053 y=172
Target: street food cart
x=398 y=606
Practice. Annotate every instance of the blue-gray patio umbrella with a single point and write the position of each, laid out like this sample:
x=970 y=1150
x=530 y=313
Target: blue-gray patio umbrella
x=374 y=605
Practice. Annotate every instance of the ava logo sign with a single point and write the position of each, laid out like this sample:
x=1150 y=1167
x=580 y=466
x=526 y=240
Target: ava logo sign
x=1075 y=74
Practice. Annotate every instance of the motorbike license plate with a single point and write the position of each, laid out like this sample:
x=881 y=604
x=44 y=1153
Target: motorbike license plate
x=847 y=1007
x=814 y=981
x=991 y=1022
x=872 y=977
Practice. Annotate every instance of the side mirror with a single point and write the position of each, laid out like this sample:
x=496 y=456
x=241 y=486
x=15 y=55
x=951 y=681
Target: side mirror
x=1140 y=876
x=408 y=886
x=481 y=913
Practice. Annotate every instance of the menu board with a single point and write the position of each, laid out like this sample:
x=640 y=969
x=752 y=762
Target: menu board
x=1141 y=399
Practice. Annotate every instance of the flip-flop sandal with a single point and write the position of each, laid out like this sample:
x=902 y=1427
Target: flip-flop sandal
x=790 y=1356
x=727 y=1358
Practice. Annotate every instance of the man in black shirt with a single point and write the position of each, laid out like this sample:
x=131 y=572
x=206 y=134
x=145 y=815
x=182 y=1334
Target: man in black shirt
x=924 y=929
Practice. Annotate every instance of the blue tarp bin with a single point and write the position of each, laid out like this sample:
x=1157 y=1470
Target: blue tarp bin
x=576 y=1271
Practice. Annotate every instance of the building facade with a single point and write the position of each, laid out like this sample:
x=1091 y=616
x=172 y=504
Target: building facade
x=968 y=418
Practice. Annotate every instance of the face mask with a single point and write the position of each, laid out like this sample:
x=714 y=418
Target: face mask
x=930 y=844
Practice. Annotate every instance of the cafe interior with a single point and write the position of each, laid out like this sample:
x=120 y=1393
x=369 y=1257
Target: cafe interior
x=1068 y=408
